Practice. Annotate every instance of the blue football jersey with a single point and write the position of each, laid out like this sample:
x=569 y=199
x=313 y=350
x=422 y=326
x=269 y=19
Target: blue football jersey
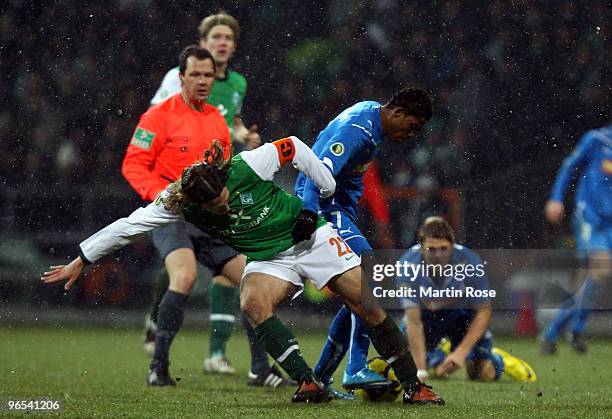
x=591 y=161
x=455 y=306
x=347 y=145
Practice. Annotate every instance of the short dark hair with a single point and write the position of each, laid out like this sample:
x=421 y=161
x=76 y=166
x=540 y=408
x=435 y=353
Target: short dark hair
x=436 y=228
x=194 y=51
x=414 y=101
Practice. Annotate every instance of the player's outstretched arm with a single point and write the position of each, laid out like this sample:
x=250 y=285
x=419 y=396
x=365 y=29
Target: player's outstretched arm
x=112 y=237
x=68 y=272
x=127 y=230
x=269 y=158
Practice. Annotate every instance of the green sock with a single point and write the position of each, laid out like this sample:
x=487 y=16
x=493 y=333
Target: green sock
x=280 y=342
x=222 y=301
x=162 y=280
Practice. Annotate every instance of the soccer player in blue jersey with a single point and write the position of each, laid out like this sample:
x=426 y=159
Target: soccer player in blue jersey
x=591 y=162
x=445 y=304
x=348 y=145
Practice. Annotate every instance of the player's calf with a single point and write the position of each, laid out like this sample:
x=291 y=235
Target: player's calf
x=363 y=304
x=259 y=296
x=385 y=336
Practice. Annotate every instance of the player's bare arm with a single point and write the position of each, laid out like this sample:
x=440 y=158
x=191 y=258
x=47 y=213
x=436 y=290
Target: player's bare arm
x=476 y=330
x=416 y=340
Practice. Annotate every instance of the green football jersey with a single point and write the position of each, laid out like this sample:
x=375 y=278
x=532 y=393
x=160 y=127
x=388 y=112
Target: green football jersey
x=228 y=94
x=261 y=215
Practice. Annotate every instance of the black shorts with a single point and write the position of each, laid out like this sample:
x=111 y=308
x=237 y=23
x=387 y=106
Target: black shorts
x=210 y=252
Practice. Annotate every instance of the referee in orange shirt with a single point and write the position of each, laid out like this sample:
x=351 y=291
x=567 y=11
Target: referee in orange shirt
x=169 y=137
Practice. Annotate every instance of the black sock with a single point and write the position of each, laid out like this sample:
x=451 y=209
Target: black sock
x=159 y=290
x=259 y=356
x=171 y=313
x=392 y=346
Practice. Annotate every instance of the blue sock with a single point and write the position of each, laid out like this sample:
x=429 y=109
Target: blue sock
x=498 y=364
x=565 y=314
x=585 y=302
x=335 y=347
x=358 y=347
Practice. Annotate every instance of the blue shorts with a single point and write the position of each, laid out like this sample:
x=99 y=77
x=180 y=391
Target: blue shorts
x=591 y=239
x=349 y=231
x=451 y=324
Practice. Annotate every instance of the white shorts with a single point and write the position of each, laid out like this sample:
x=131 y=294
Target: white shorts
x=319 y=259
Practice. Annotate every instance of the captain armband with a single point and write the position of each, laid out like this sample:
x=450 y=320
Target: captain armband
x=286 y=150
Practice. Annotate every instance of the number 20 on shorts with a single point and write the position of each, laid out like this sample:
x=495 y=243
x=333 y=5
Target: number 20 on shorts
x=343 y=248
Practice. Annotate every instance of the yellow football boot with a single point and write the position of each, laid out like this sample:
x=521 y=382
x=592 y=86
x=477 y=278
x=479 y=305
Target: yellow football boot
x=445 y=345
x=516 y=367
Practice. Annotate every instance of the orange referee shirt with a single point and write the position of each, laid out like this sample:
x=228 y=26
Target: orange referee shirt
x=169 y=137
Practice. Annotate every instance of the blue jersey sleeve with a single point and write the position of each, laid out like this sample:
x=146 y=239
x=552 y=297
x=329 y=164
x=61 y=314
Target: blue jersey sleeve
x=478 y=280
x=336 y=153
x=413 y=257
x=570 y=167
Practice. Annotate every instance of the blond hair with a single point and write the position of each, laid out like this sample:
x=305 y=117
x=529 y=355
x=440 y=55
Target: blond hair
x=211 y=21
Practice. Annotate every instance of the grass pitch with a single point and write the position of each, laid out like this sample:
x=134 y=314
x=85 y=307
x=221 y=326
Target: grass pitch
x=101 y=372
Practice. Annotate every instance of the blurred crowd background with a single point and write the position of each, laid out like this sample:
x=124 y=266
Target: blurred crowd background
x=514 y=84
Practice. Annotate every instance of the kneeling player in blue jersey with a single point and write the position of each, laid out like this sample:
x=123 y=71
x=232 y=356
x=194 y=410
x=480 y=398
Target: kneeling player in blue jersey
x=348 y=145
x=455 y=315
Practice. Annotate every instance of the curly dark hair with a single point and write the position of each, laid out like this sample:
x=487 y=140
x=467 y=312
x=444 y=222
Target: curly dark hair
x=201 y=182
x=414 y=101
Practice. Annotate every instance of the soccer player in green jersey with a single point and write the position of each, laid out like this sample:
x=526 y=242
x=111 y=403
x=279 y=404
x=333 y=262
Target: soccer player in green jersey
x=219 y=33
x=237 y=202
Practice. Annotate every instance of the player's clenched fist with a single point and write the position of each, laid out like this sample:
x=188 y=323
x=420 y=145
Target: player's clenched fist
x=451 y=363
x=554 y=212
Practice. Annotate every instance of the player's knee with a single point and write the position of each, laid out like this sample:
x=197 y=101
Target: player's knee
x=182 y=280
x=255 y=307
